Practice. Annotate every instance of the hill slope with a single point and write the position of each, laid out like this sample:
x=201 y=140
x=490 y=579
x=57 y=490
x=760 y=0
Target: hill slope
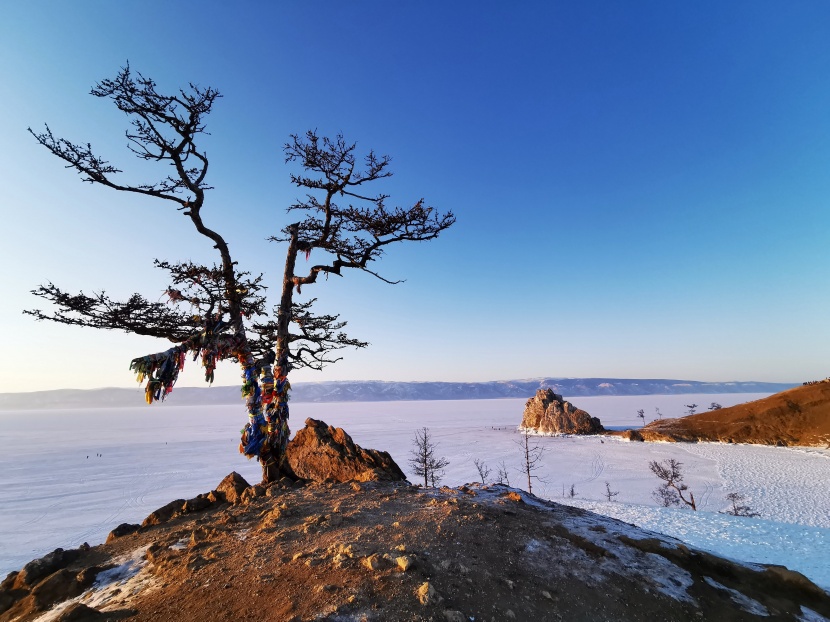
x=390 y=551
x=799 y=416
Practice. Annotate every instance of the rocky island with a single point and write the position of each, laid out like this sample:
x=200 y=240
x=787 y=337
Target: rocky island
x=547 y=413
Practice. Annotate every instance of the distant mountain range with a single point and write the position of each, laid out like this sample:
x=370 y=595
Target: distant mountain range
x=380 y=391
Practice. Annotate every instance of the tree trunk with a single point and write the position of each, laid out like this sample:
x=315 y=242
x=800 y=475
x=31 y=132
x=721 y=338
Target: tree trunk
x=274 y=465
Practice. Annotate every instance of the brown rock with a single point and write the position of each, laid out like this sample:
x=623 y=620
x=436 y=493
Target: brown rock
x=164 y=513
x=78 y=612
x=42 y=567
x=321 y=453
x=8 y=597
x=548 y=413
x=196 y=504
x=427 y=595
x=215 y=497
x=57 y=587
x=231 y=488
x=123 y=529
x=8 y=582
x=513 y=496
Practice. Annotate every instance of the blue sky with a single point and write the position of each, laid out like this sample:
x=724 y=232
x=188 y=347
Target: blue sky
x=641 y=188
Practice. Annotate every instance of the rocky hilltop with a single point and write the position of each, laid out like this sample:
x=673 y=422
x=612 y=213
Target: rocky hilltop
x=800 y=416
x=383 y=550
x=548 y=413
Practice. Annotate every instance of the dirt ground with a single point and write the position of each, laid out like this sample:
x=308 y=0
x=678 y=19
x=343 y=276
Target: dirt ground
x=393 y=552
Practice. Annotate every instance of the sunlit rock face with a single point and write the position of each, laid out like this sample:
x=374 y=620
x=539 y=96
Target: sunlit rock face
x=547 y=413
x=321 y=453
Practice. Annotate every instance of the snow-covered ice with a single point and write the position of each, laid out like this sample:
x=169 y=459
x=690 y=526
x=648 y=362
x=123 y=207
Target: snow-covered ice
x=71 y=476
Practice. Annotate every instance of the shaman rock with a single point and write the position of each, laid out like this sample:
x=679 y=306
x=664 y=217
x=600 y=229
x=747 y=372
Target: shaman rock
x=548 y=413
x=321 y=453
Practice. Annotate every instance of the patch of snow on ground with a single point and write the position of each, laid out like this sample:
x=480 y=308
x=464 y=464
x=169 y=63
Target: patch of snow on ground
x=112 y=588
x=746 y=603
x=808 y=615
x=756 y=540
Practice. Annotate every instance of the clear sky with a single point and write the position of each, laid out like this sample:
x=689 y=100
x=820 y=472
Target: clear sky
x=642 y=188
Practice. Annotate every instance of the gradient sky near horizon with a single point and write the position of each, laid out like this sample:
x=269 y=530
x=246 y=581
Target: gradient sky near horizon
x=642 y=188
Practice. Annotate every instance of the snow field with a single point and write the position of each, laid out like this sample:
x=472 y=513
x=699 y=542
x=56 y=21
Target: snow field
x=52 y=494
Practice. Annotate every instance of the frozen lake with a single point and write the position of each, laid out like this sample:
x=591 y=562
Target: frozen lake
x=70 y=476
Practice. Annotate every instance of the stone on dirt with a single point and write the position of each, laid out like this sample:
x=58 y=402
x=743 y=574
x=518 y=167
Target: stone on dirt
x=164 y=513
x=320 y=452
x=78 y=612
x=124 y=529
x=231 y=488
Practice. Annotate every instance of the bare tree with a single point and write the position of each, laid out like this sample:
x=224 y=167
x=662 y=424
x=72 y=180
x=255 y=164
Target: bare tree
x=666 y=497
x=658 y=413
x=735 y=498
x=691 y=409
x=423 y=459
x=670 y=472
x=483 y=470
x=642 y=415
x=502 y=476
x=715 y=406
x=610 y=495
x=531 y=459
x=572 y=491
x=218 y=312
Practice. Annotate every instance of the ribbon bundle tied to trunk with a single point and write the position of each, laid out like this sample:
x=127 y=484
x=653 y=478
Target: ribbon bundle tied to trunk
x=267 y=429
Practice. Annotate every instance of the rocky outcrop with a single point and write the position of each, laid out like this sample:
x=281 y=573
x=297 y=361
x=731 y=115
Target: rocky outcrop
x=231 y=488
x=548 y=413
x=45 y=581
x=320 y=452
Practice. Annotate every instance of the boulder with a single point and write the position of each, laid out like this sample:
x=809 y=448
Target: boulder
x=164 y=513
x=78 y=612
x=56 y=588
x=124 y=529
x=231 y=488
x=320 y=453
x=548 y=413
x=196 y=504
x=42 y=567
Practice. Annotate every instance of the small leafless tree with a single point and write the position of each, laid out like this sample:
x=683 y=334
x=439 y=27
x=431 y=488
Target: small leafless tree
x=483 y=470
x=642 y=415
x=424 y=461
x=670 y=472
x=572 y=491
x=658 y=413
x=531 y=459
x=691 y=409
x=666 y=497
x=502 y=476
x=735 y=498
x=715 y=406
x=610 y=495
